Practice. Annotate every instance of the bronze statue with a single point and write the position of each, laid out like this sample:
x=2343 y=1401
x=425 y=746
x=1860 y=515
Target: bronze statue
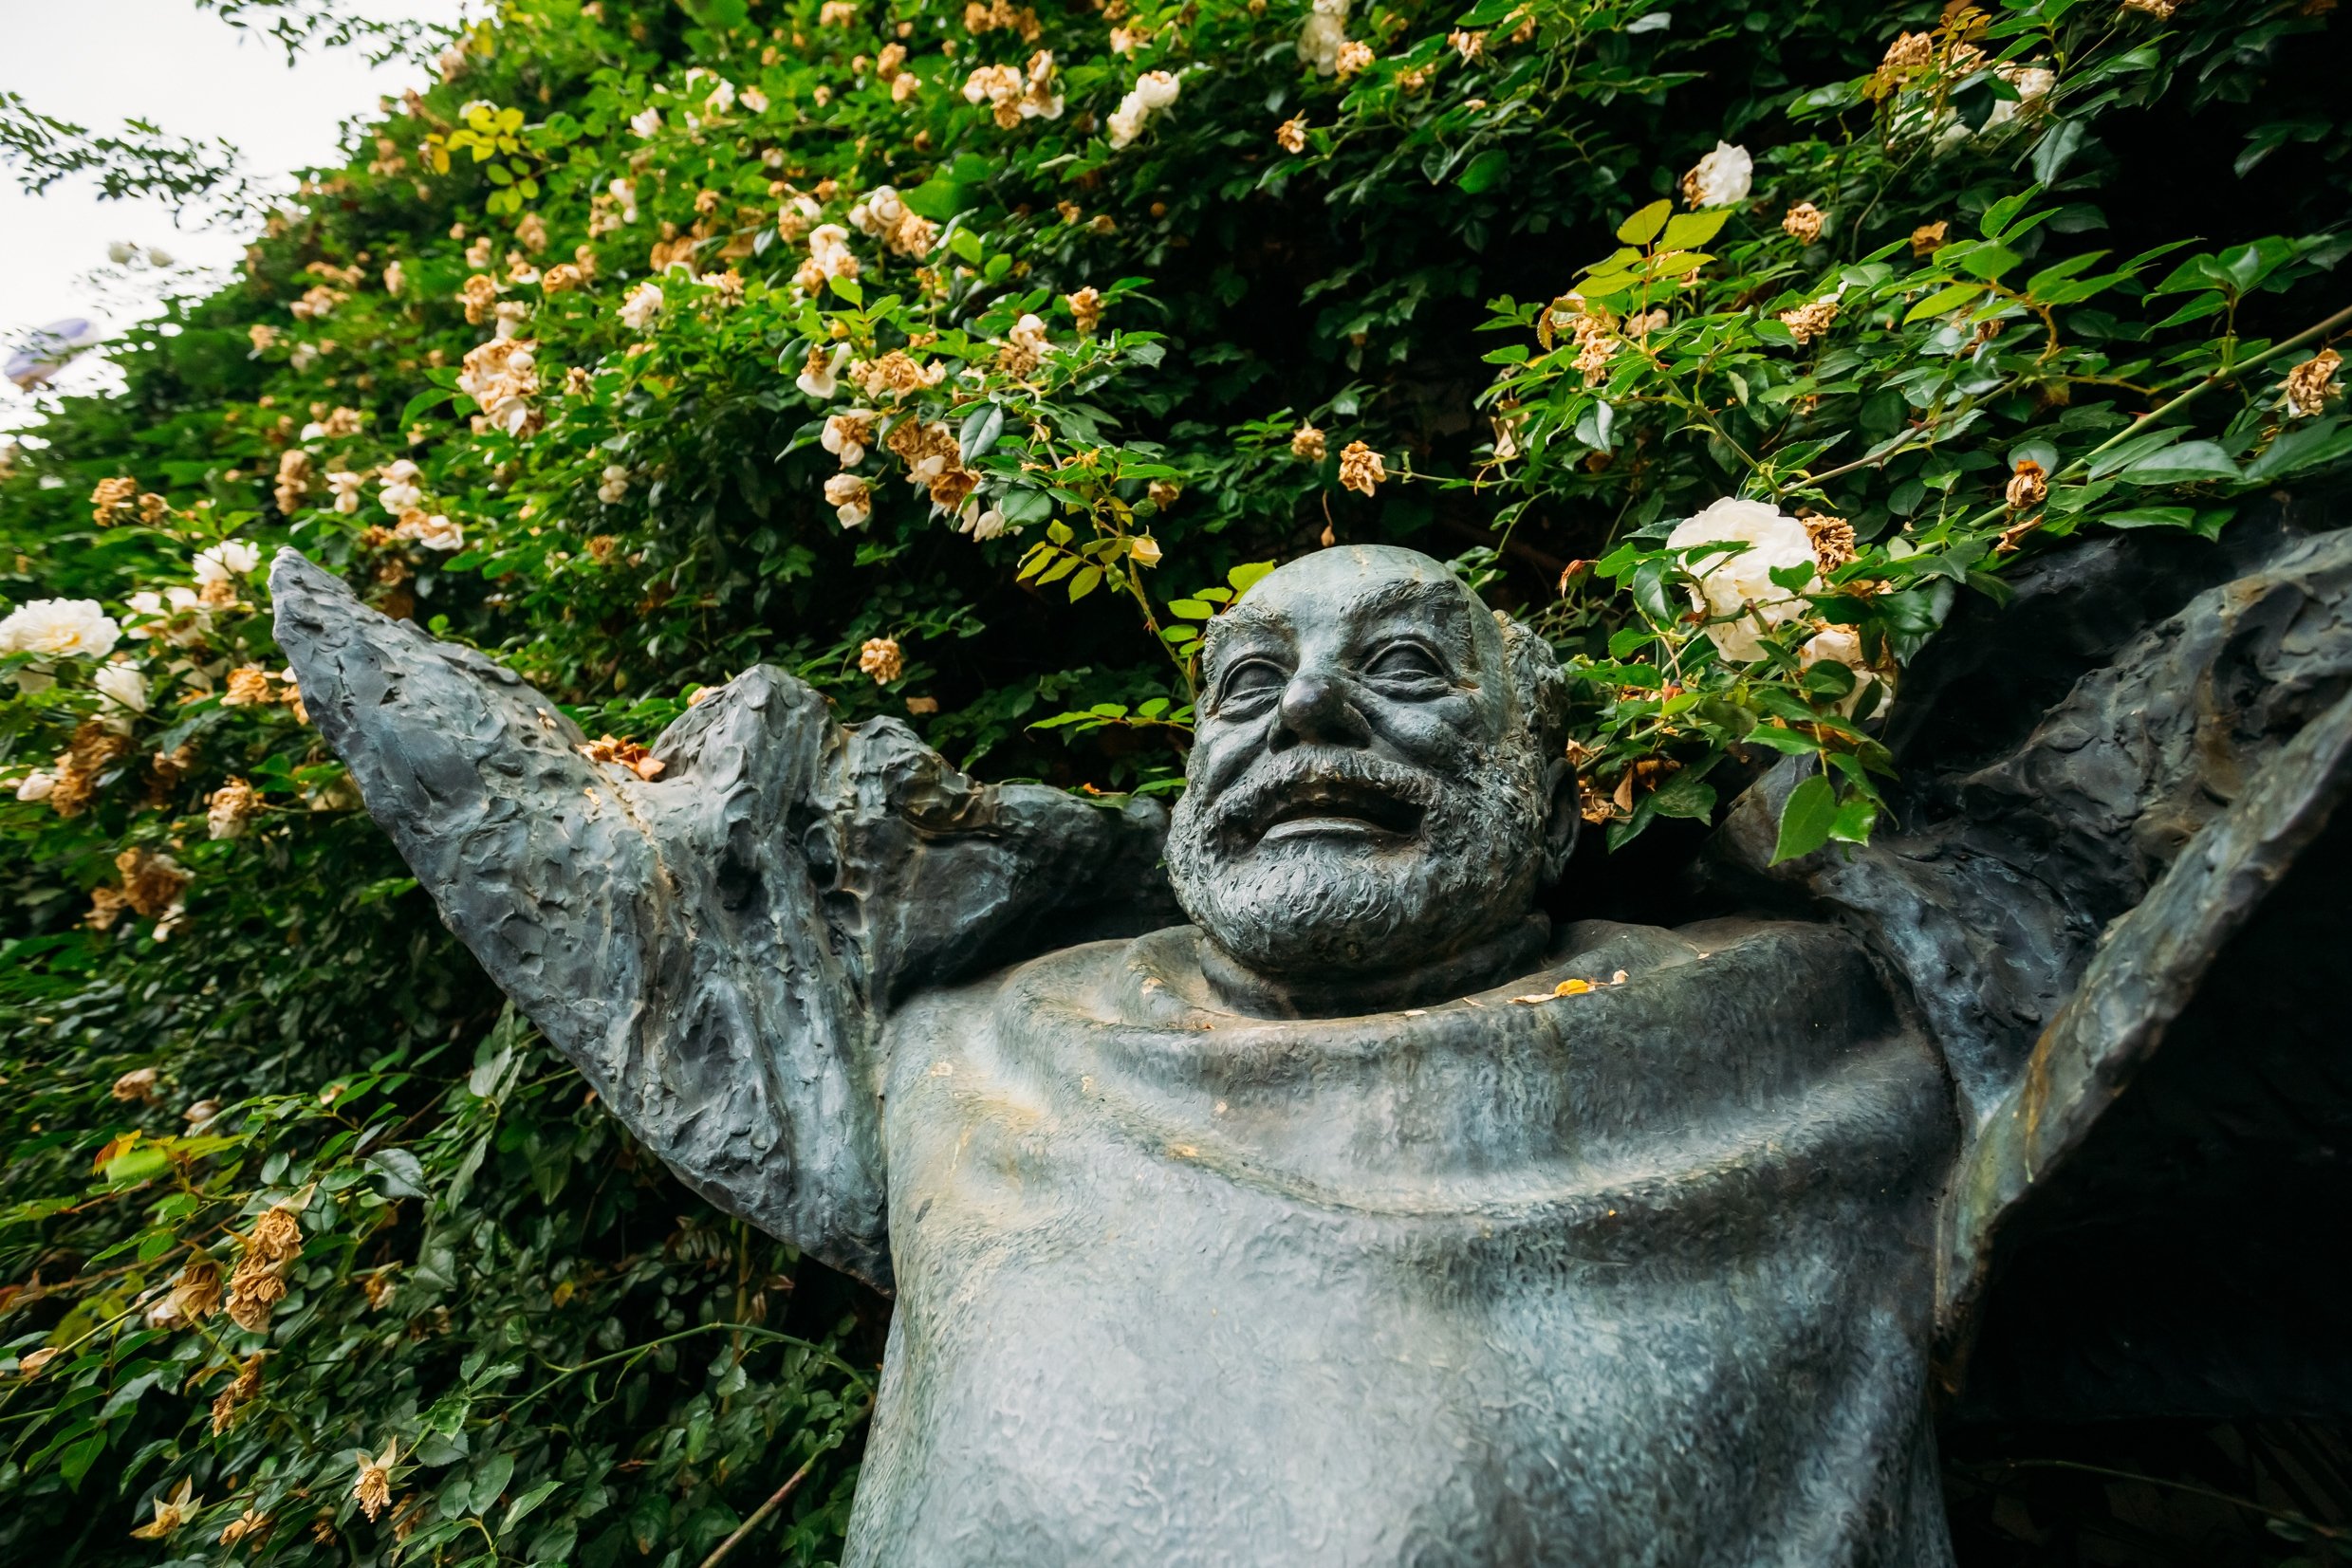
x=1372 y=1217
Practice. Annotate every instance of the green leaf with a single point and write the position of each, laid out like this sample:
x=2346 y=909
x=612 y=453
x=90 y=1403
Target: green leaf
x=1805 y=819
x=2300 y=450
x=1244 y=578
x=1689 y=230
x=423 y=403
x=1085 y=583
x=2151 y=517
x=1853 y=820
x=1943 y=301
x=2187 y=463
x=488 y=1481
x=1485 y=171
x=1644 y=226
x=524 y=1504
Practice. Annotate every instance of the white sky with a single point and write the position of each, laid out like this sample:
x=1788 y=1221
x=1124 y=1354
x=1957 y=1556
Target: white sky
x=98 y=63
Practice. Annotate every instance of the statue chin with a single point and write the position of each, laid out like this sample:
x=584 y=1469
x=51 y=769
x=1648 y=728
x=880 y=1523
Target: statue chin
x=1342 y=903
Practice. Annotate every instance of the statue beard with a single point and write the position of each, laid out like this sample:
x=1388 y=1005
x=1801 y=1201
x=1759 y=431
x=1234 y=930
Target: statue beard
x=1314 y=906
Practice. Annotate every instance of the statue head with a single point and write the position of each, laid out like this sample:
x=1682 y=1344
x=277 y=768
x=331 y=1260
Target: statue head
x=1377 y=786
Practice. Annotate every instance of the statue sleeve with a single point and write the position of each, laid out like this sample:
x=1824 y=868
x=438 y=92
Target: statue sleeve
x=716 y=949
x=2112 y=880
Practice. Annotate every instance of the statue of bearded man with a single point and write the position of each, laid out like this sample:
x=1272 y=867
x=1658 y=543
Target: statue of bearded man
x=1367 y=1219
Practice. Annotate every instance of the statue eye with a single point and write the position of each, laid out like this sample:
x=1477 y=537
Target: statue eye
x=1405 y=663
x=1252 y=680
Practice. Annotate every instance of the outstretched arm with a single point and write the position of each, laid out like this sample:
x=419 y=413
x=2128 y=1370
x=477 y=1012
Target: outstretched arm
x=715 y=949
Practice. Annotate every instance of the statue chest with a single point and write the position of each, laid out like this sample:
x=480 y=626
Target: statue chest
x=1492 y=1281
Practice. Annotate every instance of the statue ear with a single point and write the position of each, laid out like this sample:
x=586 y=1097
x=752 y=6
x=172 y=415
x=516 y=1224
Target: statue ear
x=1563 y=820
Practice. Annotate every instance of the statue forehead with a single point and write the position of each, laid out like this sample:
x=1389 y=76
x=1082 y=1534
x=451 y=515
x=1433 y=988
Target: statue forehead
x=1348 y=583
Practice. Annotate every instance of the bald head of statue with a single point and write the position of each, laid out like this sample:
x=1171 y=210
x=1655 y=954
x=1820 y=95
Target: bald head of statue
x=1378 y=790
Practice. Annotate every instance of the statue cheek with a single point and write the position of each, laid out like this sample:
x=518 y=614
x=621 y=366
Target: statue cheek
x=1447 y=734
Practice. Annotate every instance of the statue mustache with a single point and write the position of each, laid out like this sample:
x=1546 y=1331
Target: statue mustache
x=1251 y=803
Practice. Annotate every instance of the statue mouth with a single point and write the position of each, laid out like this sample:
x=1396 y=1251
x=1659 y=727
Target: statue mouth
x=1340 y=809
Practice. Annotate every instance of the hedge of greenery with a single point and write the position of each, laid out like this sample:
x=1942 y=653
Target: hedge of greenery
x=963 y=360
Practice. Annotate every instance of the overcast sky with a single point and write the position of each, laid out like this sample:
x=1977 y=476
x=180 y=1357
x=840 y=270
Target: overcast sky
x=98 y=63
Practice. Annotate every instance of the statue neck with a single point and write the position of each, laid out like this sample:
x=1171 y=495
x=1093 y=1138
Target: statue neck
x=1354 y=993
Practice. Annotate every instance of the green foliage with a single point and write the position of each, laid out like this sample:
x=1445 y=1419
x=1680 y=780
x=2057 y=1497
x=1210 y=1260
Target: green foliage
x=969 y=384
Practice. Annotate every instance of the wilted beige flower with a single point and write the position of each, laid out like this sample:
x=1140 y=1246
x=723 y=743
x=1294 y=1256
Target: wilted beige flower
x=1909 y=54
x=247 y=687
x=276 y=1237
x=1733 y=588
x=195 y=1295
x=111 y=497
x=847 y=435
x=531 y=234
x=478 y=295
x=851 y=499
x=227 y=808
x=1085 y=308
x=30 y=1363
x=1361 y=469
x=2311 y=383
x=620 y=753
x=374 y=1487
x=293 y=479
x=1810 y=320
x=138 y=1084
x=1832 y=537
x=262 y=336
x=1308 y=442
x=881 y=658
x=2160 y=9
x=250 y=1522
x=2028 y=485
x=238 y=1394
x=1354 y=56
x=1469 y=46
x=1803 y=222
x=171 y=1513
x=1291 y=134
x=1929 y=237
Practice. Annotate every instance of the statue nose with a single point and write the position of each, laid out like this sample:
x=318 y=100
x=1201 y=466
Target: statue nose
x=1315 y=707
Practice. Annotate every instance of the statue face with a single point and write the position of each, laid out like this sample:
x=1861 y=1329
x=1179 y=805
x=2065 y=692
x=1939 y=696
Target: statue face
x=1364 y=790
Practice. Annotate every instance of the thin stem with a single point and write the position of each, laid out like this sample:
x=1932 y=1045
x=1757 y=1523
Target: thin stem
x=2296 y=1519
x=780 y=1496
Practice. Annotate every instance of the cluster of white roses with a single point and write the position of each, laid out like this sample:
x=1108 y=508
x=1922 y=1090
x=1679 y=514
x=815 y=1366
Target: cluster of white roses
x=1734 y=591
x=1153 y=91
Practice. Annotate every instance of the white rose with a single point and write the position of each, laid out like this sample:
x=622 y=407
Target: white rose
x=72 y=628
x=121 y=686
x=1321 y=38
x=1722 y=177
x=647 y=123
x=1126 y=121
x=643 y=303
x=36 y=785
x=226 y=561
x=1735 y=591
x=614 y=485
x=1157 y=89
x=1843 y=645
